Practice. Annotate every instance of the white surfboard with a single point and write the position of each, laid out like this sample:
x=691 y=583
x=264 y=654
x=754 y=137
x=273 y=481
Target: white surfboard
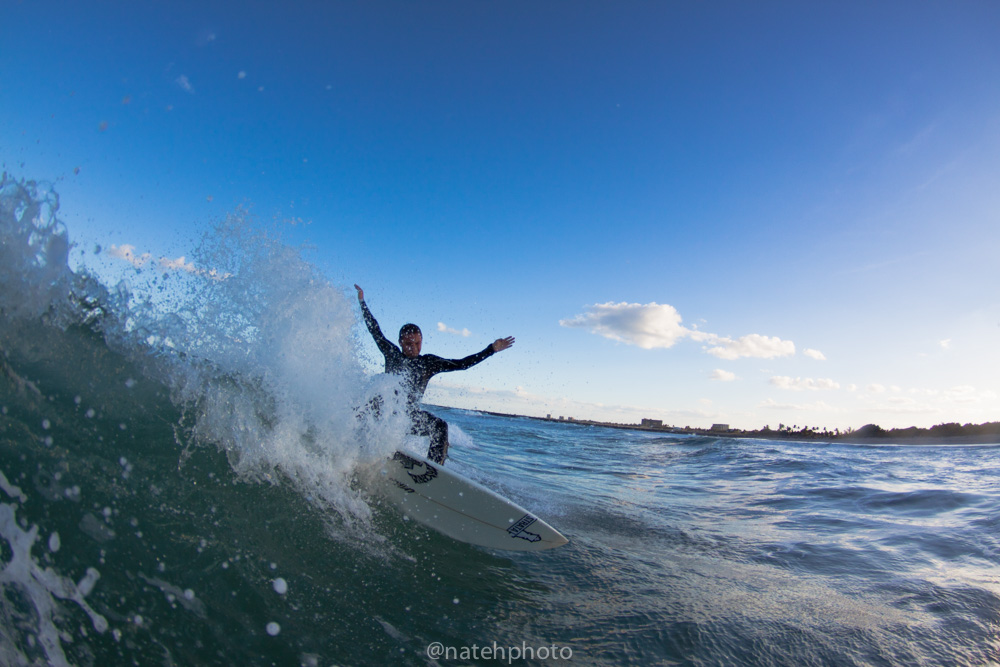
x=462 y=509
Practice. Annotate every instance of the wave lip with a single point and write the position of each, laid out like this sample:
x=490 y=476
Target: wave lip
x=35 y=279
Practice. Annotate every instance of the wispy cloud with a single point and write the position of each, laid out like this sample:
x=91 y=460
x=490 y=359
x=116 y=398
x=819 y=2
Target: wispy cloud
x=948 y=402
x=206 y=37
x=803 y=384
x=814 y=354
x=184 y=83
x=818 y=406
x=655 y=325
x=442 y=327
x=919 y=139
x=884 y=264
x=722 y=376
x=524 y=402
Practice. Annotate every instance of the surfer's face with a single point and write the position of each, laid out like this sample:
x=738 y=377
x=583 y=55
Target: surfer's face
x=410 y=344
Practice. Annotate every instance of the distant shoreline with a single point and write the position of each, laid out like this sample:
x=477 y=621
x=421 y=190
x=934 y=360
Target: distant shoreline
x=867 y=435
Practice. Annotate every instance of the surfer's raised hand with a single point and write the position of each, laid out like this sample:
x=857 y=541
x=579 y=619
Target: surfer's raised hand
x=361 y=292
x=502 y=343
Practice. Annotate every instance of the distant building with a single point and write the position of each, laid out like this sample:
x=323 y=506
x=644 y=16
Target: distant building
x=720 y=427
x=652 y=423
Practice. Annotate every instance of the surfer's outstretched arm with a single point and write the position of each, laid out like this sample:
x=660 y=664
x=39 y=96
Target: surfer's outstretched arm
x=435 y=364
x=383 y=343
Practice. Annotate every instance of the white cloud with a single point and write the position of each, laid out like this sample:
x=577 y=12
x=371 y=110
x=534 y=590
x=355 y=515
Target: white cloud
x=127 y=252
x=752 y=345
x=723 y=376
x=946 y=344
x=814 y=354
x=446 y=329
x=648 y=326
x=803 y=384
x=179 y=264
x=164 y=264
x=655 y=325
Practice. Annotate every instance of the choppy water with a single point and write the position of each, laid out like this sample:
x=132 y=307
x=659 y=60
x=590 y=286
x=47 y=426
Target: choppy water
x=191 y=488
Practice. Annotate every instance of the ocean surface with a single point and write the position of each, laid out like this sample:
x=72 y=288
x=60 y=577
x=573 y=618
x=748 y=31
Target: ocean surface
x=184 y=481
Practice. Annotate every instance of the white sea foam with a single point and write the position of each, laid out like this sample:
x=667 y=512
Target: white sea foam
x=41 y=588
x=10 y=489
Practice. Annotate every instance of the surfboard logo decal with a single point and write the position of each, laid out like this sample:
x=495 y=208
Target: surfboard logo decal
x=518 y=529
x=409 y=464
x=404 y=487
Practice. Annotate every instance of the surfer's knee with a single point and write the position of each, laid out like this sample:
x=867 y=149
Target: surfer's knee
x=438 y=450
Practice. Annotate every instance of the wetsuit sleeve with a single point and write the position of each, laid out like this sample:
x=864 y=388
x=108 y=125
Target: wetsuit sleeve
x=440 y=365
x=383 y=343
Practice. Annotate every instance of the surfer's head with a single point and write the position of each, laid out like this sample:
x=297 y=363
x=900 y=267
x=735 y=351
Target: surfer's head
x=410 y=340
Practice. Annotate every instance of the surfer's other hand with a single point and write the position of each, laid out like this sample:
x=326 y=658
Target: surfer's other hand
x=502 y=343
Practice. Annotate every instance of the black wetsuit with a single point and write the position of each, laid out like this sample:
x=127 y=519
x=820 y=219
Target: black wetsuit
x=416 y=373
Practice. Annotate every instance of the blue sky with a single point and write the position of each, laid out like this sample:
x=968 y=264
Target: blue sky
x=752 y=213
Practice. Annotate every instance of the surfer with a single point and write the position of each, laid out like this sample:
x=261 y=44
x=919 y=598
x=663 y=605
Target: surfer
x=417 y=369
